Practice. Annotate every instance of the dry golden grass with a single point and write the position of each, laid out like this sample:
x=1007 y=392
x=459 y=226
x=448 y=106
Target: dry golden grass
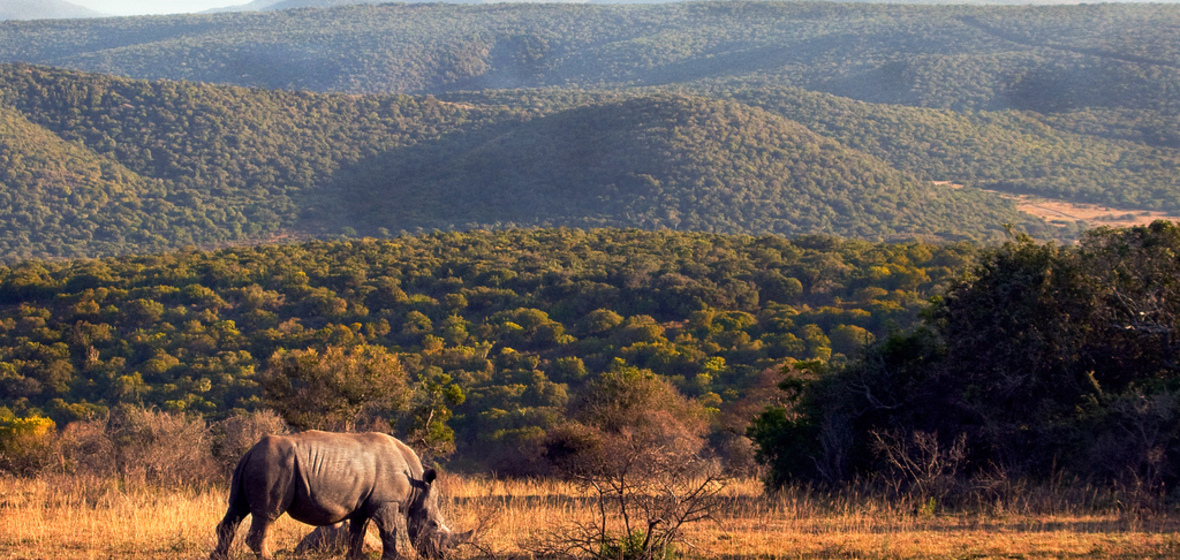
x=1062 y=212
x=73 y=518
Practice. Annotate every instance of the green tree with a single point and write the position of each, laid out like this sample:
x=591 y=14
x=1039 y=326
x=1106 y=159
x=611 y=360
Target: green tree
x=431 y=407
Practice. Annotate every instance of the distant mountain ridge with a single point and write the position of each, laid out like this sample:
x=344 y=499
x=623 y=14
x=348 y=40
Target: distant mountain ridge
x=259 y=5
x=293 y=4
x=43 y=9
x=956 y=57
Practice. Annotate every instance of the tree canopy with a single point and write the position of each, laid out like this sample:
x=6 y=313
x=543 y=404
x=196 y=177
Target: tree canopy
x=494 y=333
x=1047 y=359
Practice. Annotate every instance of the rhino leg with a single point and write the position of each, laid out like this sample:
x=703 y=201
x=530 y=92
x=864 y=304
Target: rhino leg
x=356 y=537
x=329 y=539
x=227 y=528
x=256 y=539
x=386 y=519
x=225 y=533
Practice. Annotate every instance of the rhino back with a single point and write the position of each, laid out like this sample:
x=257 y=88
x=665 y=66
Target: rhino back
x=339 y=474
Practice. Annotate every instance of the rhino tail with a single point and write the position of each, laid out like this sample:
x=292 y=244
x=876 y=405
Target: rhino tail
x=237 y=497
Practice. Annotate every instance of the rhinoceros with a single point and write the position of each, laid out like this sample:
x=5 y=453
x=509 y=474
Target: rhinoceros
x=323 y=478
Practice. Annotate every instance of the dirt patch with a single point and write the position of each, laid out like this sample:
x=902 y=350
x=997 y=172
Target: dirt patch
x=1060 y=212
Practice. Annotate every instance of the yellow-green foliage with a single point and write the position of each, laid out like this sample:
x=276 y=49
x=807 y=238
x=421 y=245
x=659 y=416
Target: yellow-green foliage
x=26 y=444
x=500 y=328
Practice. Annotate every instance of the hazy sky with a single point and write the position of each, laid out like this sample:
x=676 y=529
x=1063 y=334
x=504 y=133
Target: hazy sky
x=137 y=7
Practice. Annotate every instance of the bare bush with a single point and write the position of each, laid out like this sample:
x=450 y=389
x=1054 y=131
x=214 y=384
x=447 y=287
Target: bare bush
x=919 y=462
x=235 y=435
x=160 y=447
x=142 y=445
x=138 y=444
x=87 y=449
x=637 y=447
x=644 y=497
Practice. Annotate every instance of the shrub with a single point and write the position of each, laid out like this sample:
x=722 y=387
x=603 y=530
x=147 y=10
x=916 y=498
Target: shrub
x=27 y=445
x=159 y=447
x=141 y=445
x=235 y=435
x=637 y=445
x=336 y=389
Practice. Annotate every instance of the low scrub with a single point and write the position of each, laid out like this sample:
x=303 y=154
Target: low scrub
x=134 y=445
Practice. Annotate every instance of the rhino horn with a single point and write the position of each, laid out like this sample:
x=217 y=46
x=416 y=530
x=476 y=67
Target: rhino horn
x=464 y=537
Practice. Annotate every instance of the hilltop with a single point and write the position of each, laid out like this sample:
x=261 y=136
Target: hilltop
x=675 y=162
x=959 y=57
x=43 y=9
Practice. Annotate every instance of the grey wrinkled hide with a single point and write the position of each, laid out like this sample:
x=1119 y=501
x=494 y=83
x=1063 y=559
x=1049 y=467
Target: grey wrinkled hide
x=323 y=478
x=333 y=539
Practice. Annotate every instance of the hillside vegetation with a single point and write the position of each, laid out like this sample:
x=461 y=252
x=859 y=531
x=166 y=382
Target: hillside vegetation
x=658 y=162
x=1071 y=102
x=1039 y=58
x=485 y=343
x=517 y=321
x=205 y=165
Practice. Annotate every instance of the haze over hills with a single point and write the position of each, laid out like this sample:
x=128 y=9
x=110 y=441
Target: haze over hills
x=292 y=4
x=43 y=9
x=288 y=4
x=1046 y=58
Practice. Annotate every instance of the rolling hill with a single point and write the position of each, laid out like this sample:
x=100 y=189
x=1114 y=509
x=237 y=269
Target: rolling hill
x=741 y=117
x=673 y=162
x=1117 y=158
x=959 y=57
x=58 y=198
x=1072 y=102
x=208 y=165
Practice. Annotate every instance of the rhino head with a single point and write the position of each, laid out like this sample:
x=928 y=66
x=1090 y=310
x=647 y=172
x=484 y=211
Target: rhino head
x=429 y=533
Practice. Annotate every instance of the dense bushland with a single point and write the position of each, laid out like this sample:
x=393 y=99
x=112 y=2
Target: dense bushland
x=558 y=351
x=498 y=329
x=1046 y=361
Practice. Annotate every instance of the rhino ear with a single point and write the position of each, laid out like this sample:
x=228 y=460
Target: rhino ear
x=429 y=476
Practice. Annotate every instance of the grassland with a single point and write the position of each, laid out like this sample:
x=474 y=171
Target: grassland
x=1061 y=212
x=79 y=518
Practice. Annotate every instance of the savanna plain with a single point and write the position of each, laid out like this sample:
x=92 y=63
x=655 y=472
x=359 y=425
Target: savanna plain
x=74 y=517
